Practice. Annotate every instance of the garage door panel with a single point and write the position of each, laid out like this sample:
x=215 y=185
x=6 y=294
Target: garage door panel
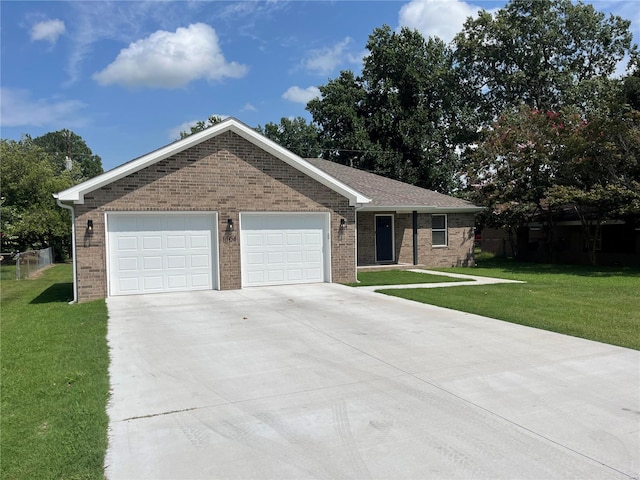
x=200 y=280
x=151 y=242
x=295 y=275
x=312 y=257
x=128 y=284
x=177 y=281
x=254 y=239
x=255 y=278
x=153 y=283
x=274 y=276
x=282 y=249
x=275 y=239
x=275 y=258
x=127 y=243
x=199 y=241
x=295 y=257
x=313 y=239
x=199 y=261
x=164 y=252
x=152 y=263
x=294 y=239
x=176 y=241
x=127 y=264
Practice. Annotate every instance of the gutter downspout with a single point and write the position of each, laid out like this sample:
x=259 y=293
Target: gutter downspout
x=355 y=232
x=73 y=248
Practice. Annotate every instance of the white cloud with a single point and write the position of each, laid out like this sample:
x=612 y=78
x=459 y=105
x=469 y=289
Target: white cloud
x=171 y=60
x=301 y=95
x=174 y=133
x=441 y=18
x=325 y=61
x=183 y=127
x=249 y=108
x=17 y=109
x=48 y=30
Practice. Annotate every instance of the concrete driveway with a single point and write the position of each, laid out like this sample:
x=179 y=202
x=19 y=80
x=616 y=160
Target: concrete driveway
x=326 y=381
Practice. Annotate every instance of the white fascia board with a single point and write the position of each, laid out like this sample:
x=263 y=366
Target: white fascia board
x=419 y=209
x=76 y=193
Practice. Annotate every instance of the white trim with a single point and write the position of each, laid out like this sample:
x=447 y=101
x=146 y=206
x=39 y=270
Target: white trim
x=375 y=237
x=76 y=193
x=215 y=252
x=420 y=209
x=445 y=230
x=326 y=247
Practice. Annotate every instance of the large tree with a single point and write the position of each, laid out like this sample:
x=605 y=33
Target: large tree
x=29 y=216
x=403 y=117
x=69 y=151
x=341 y=113
x=296 y=135
x=532 y=164
x=543 y=53
x=598 y=174
x=512 y=169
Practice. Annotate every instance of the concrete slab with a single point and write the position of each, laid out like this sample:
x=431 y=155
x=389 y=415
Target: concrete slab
x=467 y=280
x=326 y=381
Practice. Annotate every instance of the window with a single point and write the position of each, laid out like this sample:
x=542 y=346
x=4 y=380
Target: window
x=439 y=230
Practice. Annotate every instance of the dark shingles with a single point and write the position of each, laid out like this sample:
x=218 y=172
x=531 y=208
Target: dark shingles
x=387 y=192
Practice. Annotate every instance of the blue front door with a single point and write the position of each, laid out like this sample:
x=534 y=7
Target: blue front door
x=384 y=238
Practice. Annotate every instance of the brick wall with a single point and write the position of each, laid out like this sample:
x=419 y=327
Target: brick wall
x=225 y=174
x=458 y=252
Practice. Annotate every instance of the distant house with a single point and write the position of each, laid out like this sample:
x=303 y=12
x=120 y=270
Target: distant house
x=227 y=208
x=617 y=244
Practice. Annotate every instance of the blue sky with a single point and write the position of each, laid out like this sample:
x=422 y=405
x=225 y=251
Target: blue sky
x=128 y=76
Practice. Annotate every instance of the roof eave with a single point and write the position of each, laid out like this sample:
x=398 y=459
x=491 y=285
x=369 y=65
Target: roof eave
x=419 y=209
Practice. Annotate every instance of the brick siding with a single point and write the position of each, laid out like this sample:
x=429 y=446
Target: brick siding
x=458 y=252
x=227 y=175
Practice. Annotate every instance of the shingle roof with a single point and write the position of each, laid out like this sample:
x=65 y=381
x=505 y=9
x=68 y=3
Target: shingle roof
x=385 y=192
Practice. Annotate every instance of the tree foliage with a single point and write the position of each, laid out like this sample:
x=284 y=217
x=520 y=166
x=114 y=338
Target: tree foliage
x=531 y=164
x=30 y=217
x=32 y=170
x=201 y=125
x=543 y=53
x=296 y=135
x=65 y=144
x=403 y=117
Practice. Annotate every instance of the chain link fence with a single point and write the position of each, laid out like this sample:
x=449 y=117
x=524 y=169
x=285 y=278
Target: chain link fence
x=31 y=261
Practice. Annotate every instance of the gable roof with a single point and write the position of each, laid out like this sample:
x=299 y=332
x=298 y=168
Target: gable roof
x=388 y=194
x=76 y=193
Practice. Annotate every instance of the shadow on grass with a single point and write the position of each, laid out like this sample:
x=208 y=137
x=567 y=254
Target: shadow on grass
x=56 y=293
x=515 y=266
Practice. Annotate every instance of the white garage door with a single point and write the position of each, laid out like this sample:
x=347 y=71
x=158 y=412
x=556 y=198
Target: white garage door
x=280 y=249
x=151 y=253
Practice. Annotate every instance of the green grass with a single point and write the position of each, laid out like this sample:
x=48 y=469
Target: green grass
x=398 y=277
x=7 y=272
x=55 y=381
x=597 y=303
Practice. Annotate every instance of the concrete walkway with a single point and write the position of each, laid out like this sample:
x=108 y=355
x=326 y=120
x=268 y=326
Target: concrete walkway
x=470 y=280
x=327 y=381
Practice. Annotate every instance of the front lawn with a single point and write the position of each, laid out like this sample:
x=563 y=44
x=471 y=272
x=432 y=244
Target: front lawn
x=55 y=381
x=399 y=277
x=597 y=303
